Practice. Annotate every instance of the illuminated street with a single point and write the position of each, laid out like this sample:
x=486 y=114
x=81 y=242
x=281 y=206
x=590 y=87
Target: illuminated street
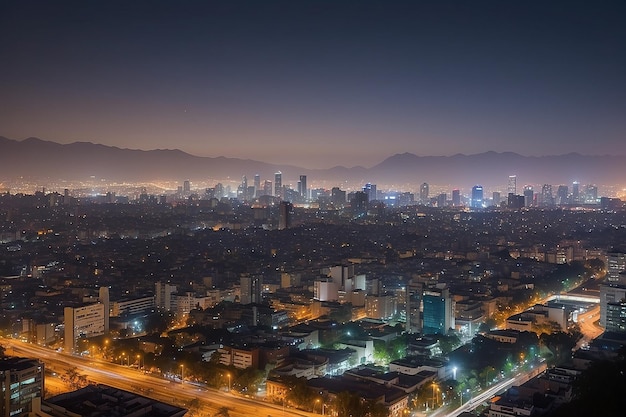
x=130 y=379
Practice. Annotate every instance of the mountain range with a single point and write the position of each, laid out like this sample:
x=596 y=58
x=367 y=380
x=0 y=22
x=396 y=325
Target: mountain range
x=50 y=161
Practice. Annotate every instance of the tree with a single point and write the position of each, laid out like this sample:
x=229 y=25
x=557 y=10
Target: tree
x=448 y=343
x=487 y=373
x=381 y=355
x=375 y=409
x=74 y=379
x=348 y=404
x=299 y=393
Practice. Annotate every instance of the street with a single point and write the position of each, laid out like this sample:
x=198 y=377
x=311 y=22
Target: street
x=209 y=401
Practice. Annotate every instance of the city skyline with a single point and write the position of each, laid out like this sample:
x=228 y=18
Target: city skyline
x=317 y=84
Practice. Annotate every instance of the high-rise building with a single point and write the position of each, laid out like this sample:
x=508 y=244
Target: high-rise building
x=340 y=273
x=370 y=191
x=103 y=297
x=381 y=307
x=325 y=289
x=610 y=293
x=512 y=187
x=257 y=185
x=616 y=317
x=21 y=382
x=244 y=188
x=251 y=289
x=575 y=192
x=338 y=197
x=477 y=196
x=591 y=194
x=359 y=203
x=285 y=210
x=438 y=310
x=616 y=266
x=186 y=186
x=267 y=188
x=496 y=198
x=424 y=193
x=304 y=191
x=562 y=194
x=442 y=199
x=515 y=201
x=456 y=198
x=413 y=300
x=83 y=322
x=546 y=196
x=529 y=196
x=278 y=184
x=163 y=295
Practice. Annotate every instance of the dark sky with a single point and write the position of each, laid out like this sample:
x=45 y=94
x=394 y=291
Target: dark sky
x=317 y=83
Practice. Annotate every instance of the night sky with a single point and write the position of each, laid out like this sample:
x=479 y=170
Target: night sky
x=317 y=83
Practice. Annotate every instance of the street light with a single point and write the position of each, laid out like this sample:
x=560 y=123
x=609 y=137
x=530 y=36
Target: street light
x=317 y=400
x=182 y=374
x=139 y=360
x=228 y=375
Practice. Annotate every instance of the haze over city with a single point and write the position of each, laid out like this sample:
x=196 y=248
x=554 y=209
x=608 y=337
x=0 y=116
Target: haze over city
x=308 y=208
x=317 y=84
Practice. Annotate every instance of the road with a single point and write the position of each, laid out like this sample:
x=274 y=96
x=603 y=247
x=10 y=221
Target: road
x=134 y=380
x=502 y=386
x=588 y=323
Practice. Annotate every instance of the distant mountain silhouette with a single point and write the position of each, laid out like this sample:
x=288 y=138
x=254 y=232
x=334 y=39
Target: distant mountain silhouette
x=44 y=160
x=492 y=168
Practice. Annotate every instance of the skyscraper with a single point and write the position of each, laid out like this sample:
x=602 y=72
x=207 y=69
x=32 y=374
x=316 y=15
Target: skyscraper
x=575 y=192
x=529 y=196
x=561 y=195
x=278 y=184
x=546 y=195
x=257 y=185
x=456 y=198
x=424 y=193
x=495 y=197
x=512 y=188
x=359 y=203
x=244 y=188
x=267 y=188
x=477 y=196
x=303 y=188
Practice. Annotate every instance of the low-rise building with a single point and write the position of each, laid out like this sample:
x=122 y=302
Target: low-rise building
x=105 y=401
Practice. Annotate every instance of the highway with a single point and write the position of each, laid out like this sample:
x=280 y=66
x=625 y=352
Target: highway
x=134 y=380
